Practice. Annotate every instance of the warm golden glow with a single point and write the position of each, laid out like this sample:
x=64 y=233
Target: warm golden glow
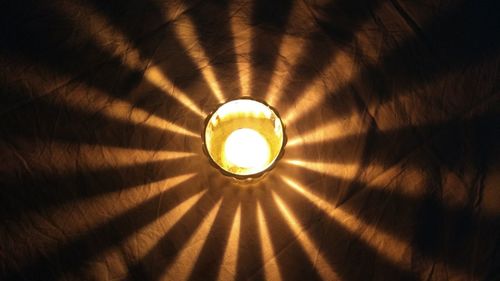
x=341 y=67
x=330 y=131
x=291 y=48
x=317 y=201
x=130 y=198
x=185 y=30
x=244 y=137
x=238 y=154
x=164 y=222
x=95 y=101
x=387 y=245
x=185 y=261
x=315 y=256
x=124 y=111
x=271 y=269
x=229 y=264
x=102 y=33
x=241 y=37
x=157 y=78
x=343 y=171
x=308 y=101
x=60 y=157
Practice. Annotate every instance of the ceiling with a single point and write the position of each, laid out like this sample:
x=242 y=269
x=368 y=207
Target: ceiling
x=390 y=172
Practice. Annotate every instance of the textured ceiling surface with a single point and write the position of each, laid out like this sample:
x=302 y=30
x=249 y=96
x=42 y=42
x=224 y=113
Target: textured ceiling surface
x=391 y=170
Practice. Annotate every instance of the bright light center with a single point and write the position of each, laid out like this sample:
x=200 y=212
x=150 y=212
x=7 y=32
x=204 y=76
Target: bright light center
x=244 y=138
x=246 y=148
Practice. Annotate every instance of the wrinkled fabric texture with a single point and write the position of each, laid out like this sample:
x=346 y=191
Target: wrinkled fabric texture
x=390 y=172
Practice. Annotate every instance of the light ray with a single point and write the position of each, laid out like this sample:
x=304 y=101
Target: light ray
x=290 y=49
x=312 y=98
x=157 y=78
x=101 y=33
x=315 y=256
x=343 y=171
x=93 y=100
x=59 y=156
x=387 y=245
x=185 y=30
x=271 y=269
x=185 y=261
x=316 y=200
x=101 y=229
x=126 y=157
x=229 y=264
x=241 y=37
x=91 y=208
x=164 y=222
x=333 y=130
x=124 y=111
x=341 y=68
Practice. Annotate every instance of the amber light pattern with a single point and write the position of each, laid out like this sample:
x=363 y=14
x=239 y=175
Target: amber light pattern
x=244 y=137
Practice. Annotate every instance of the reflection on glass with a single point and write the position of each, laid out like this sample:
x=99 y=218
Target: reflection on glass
x=244 y=138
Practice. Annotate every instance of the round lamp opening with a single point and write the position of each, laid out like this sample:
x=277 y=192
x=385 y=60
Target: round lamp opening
x=244 y=138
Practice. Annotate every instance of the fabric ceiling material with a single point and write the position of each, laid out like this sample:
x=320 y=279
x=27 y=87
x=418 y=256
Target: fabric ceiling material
x=391 y=170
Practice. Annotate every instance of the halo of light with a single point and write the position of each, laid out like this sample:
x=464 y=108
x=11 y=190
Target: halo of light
x=244 y=138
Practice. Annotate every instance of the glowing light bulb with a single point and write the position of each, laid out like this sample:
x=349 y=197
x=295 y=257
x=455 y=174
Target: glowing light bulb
x=246 y=148
x=243 y=138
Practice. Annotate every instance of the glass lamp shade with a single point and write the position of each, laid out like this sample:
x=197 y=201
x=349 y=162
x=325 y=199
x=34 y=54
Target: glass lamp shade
x=244 y=138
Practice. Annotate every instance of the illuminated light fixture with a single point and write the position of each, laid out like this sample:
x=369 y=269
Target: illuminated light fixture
x=243 y=138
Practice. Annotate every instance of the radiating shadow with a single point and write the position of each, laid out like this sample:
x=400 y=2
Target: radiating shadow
x=71 y=255
x=57 y=45
x=425 y=222
x=293 y=262
x=343 y=246
x=209 y=262
x=212 y=23
x=250 y=252
x=269 y=20
x=42 y=42
x=341 y=19
x=229 y=262
x=321 y=264
x=185 y=260
x=438 y=227
x=338 y=22
x=47 y=121
x=269 y=256
x=381 y=148
x=386 y=147
x=385 y=244
x=418 y=62
x=40 y=192
x=448 y=141
x=157 y=261
x=170 y=55
x=443 y=233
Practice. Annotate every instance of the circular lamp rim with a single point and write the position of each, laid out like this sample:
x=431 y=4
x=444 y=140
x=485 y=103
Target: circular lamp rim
x=248 y=176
